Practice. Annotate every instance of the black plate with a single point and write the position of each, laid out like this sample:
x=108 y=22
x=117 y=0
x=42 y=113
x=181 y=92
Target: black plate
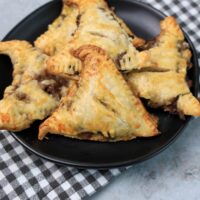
x=144 y=20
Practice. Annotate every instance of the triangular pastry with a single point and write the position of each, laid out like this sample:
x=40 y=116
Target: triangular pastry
x=101 y=106
x=65 y=26
x=168 y=51
x=165 y=89
x=98 y=26
x=33 y=94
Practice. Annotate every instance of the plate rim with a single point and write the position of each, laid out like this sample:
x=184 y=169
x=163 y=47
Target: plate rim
x=93 y=165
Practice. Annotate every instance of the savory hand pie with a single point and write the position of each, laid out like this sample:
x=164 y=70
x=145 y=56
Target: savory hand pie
x=64 y=27
x=101 y=106
x=88 y=42
x=15 y=50
x=168 y=51
x=99 y=26
x=33 y=94
x=165 y=89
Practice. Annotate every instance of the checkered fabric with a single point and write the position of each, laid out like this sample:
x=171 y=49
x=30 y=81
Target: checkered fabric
x=25 y=176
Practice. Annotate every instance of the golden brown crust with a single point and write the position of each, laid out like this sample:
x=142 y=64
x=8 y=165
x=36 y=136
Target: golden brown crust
x=101 y=103
x=100 y=106
x=161 y=88
x=168 y=51
x=15 y=50
x=164 y=89
x=137 y=41
x=104 y=30
x=64 y=27
x=31 y=96
x=60 y=31
x=188 y=105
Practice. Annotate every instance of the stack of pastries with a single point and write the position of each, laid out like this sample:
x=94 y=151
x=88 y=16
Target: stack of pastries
x=84 y=77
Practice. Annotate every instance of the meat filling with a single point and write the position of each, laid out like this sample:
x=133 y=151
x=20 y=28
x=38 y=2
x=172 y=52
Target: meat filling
x=52 y=84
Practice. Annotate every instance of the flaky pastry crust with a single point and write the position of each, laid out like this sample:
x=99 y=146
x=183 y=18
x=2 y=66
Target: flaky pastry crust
x=65 y=25
x=101 y=104
x=168 y=51
x=60 y=31
x=98 y=26
x=31 y=96
x=165 y=89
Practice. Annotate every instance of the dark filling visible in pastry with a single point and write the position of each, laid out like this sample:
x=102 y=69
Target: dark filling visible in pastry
x=172 y=108
x=22 y=96
x=69 y=105
x=54 y=86
x=119 y=58
x=102 y=9
x=110 y=15
x=189 y=82
x=63 y=16
x=106 y=105
x=131 y=35
x=148 y=45
x=182 y=46
x=73 y=67
x=85 y=136
x=78 y=20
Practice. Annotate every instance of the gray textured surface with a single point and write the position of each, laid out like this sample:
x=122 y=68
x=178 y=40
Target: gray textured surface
x=172 y=175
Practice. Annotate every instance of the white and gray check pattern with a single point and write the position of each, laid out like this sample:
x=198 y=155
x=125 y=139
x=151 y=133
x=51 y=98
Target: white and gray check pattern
x=25 y=176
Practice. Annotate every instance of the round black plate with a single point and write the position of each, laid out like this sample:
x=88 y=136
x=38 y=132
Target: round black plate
x=144 y=20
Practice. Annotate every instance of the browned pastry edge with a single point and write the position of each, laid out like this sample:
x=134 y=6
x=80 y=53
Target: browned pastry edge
x=54 y=125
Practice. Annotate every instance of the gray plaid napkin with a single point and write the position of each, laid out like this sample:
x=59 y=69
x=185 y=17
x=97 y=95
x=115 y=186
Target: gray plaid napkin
x=25 y=176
